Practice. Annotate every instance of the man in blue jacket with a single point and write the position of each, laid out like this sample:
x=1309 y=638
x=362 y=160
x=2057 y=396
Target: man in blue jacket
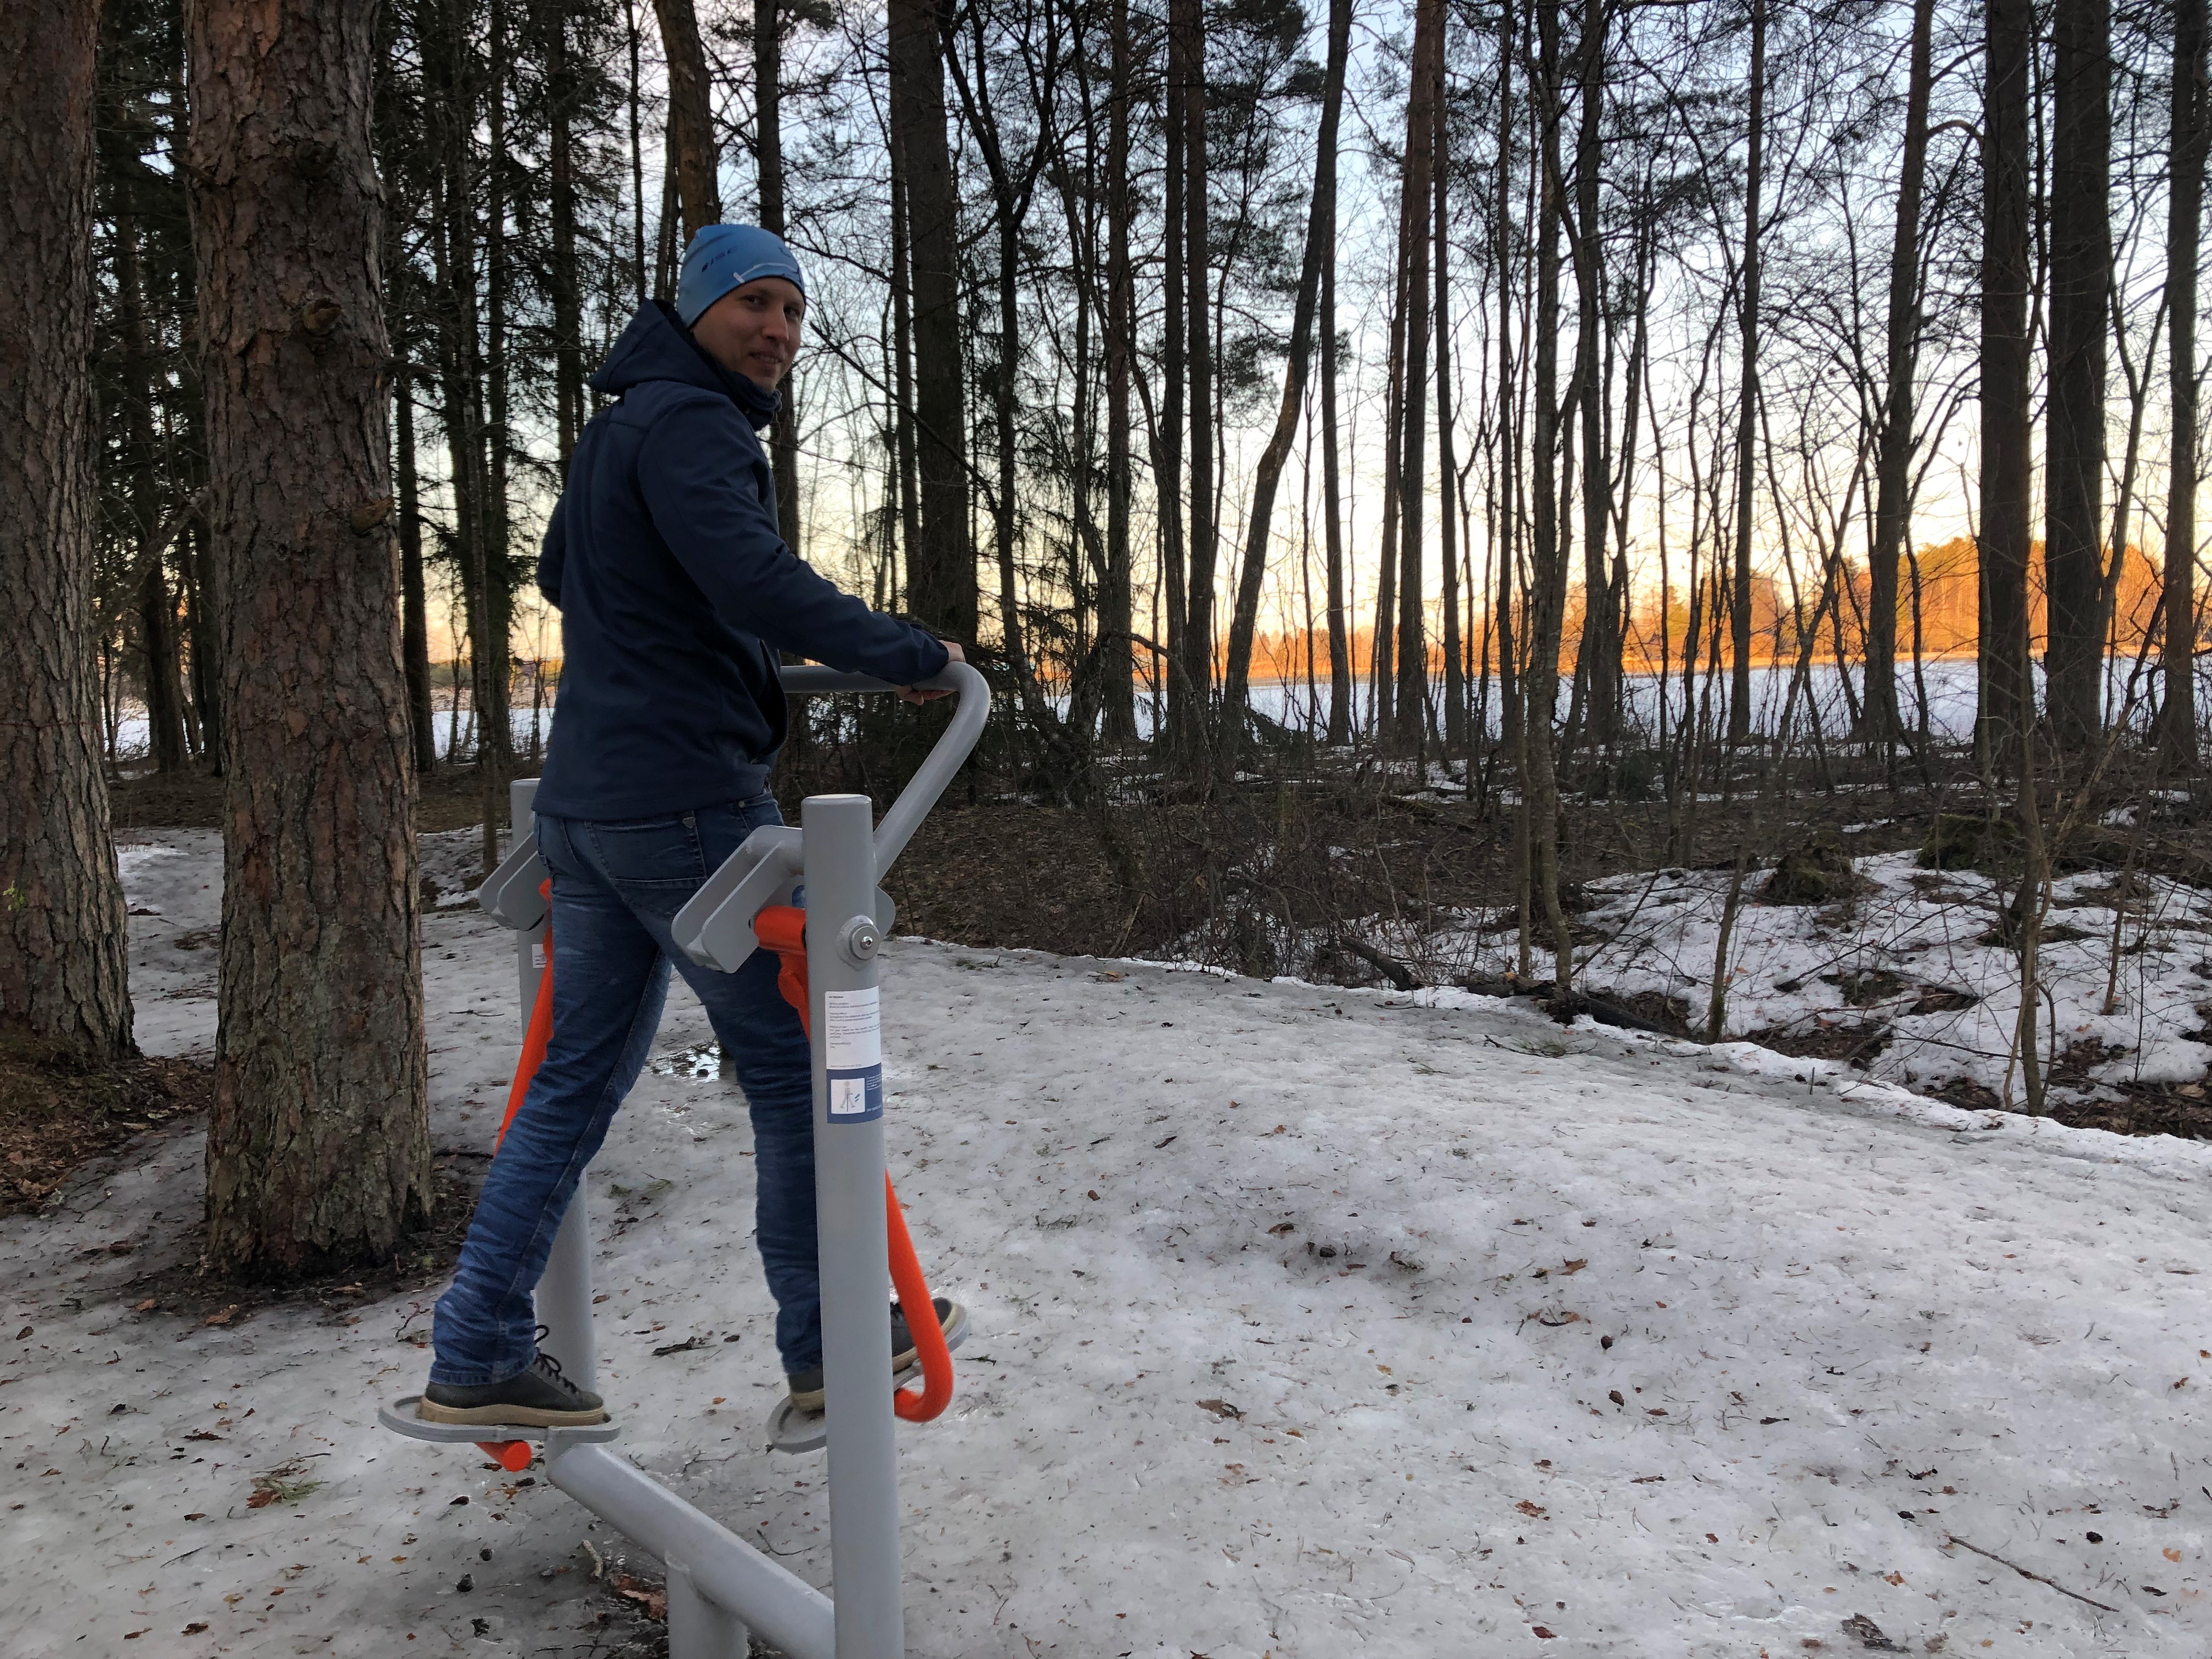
x=676 y=592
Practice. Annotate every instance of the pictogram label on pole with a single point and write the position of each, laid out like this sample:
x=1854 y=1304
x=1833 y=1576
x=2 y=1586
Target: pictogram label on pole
x=853 y=1054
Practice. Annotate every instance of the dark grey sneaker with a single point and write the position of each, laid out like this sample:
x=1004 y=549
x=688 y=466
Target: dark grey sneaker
x=807 y=1391
x=538 y=1398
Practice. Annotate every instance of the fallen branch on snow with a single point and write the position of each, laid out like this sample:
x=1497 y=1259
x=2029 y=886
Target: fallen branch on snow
x=1954 y=1538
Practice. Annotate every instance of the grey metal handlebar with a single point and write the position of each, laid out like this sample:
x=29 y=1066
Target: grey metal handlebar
x=714 y=928
x=938 y=767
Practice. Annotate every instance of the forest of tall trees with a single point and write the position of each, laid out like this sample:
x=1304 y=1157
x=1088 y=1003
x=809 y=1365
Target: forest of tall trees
x=1663 y=322
x=1546 y=398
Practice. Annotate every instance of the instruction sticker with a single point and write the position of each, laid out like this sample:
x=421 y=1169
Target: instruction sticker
x=853 y=1052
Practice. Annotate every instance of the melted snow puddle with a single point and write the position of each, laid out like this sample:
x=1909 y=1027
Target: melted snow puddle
x=702 y=1059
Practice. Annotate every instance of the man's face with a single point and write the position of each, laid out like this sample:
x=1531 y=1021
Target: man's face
x=753 y=330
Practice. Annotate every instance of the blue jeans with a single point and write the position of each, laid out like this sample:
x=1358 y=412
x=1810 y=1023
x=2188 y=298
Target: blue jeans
x=616 y=887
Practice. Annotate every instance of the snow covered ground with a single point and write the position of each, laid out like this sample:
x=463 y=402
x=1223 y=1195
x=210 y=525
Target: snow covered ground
x=1307 y=1321
x=1914 y=956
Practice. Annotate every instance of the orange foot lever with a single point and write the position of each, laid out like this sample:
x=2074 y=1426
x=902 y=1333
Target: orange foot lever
x=782 y=928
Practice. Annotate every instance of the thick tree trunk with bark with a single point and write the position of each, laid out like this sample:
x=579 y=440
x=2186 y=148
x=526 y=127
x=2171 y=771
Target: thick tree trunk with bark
x=2192 y=126
x=63 y=963
x=941 y=589
x=1892 y=498
x=2006 y=701
x=1321 y=234
x=318 y=1147
x=690 y=118
x=2074 y=430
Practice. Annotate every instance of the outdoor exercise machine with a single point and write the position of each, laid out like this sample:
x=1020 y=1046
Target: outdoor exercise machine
x=719 y=1586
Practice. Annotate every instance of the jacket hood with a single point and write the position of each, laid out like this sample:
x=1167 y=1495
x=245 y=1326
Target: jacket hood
x=656 y=346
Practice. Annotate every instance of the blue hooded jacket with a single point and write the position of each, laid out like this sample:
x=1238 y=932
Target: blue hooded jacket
x=676 y=590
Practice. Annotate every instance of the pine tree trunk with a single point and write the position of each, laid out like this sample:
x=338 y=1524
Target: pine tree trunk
x=202 y=586
x=1321 y=234
x=414 y=611
x=2074 y=433
x=1117 y=661
x=1600 y=649
x=1893 y=504
x=1010 y=202
x=318 y=1147
x=1747 y=431
x=636 y=149
x=1168 y=451
x=63 y=946
x=156 y=609
x=1085 y=550
x=1414 y=206
x=767 y=133
x=495 y=727
x=1454 y=722
x=2191 y=125
x=667 y=239
x=2007 y=703
x=1332 y=487
x=1382 y=651
x=571 y=407
x=461 y=367
x=690 y=117
x=903 y=376
x=1508 y=411
x=1187 y=76
x=941 y=587
x=1548 y=572
x=157 y=646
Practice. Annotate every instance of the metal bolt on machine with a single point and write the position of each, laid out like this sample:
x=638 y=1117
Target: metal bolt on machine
x=719 y=1587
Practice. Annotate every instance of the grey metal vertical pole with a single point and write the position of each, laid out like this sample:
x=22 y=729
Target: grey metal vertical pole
x=841 y=942
x=697 y=1628
x=564 y=1294
x=530 y=946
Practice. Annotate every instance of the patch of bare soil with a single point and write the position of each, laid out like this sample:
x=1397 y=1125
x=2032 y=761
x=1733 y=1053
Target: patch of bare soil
x=1853 y=1042
x=57 y=1115
x=451 y=797
x=2181 y=1109
x=1002 y=874
x=633 y=1613
x=422 y=1266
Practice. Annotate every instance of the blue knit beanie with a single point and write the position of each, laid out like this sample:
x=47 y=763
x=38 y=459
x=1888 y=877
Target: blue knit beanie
x=724 y=257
